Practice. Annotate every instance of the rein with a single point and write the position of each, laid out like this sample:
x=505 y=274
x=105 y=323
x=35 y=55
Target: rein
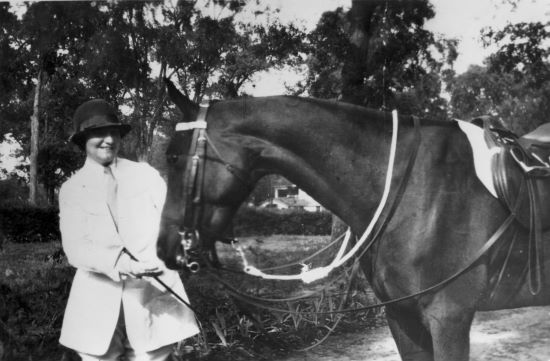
x=194 y=182
x=495 y=237
x=311 y=275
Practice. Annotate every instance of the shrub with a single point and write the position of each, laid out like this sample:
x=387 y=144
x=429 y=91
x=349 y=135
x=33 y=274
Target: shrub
x=252 y=221
x=26 y=224
x=12 y=191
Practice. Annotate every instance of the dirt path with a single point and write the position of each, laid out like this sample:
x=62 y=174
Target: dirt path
x=509 y=335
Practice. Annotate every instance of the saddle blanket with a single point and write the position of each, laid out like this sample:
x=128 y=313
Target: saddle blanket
x=483 y=154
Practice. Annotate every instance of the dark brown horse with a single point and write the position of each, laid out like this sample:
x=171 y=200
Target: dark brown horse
x=338 y=154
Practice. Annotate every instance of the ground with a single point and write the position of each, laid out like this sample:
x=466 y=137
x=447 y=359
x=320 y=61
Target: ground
x=36 y=279
x=507 y=335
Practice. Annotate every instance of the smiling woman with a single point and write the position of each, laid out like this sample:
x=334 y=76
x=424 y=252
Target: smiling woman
x=109 y=218
x=103 y=145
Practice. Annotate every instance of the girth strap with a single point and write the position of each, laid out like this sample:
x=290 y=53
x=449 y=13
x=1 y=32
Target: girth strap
x=535 y=240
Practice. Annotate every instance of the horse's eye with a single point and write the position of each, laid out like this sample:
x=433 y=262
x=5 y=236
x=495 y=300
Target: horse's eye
x=171 y=158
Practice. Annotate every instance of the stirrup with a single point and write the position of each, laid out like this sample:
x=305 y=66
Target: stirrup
x=532 y=170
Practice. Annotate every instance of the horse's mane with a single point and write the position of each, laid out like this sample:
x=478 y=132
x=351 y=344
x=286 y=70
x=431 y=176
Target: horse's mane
x=331 y=104
x=369 y=112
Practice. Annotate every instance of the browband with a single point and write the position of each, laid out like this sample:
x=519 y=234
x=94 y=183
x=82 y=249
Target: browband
x=200 y=123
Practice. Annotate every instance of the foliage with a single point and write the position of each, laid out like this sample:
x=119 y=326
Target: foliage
x=514 y=86
x=475 y=92
x=12 y=74
x=379 y=55
x=25 y=224
x=30 y=224
x=216 y=57
x=121 y=51
x=262 y=221
x=56 y=164
x=10 y=70
x=330 y=45
x=12 y=192
x=523 y=51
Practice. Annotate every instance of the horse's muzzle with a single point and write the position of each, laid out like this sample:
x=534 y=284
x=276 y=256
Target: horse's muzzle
x=169 y=247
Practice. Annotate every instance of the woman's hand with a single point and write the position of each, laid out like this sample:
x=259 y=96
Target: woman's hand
x=137 y=269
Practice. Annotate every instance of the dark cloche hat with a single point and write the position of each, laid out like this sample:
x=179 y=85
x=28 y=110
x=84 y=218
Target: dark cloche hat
x=94 y=114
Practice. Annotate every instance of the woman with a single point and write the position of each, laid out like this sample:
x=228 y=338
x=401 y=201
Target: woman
x=111 y=208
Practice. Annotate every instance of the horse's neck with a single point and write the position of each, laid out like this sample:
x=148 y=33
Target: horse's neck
x=331 y=153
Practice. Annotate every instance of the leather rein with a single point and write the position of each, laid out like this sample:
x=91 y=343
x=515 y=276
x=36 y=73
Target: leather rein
x=192 y=195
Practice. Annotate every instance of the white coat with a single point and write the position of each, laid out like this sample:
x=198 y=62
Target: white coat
x=153 y=317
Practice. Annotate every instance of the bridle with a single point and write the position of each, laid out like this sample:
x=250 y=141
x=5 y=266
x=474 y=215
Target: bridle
x=192 y=189
x=193 y=185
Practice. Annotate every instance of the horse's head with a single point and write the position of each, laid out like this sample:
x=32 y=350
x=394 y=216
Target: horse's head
x=207 y=181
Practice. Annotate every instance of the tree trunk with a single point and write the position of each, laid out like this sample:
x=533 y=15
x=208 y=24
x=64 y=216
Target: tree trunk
x=157 y=113
x=358 y=65
x=33 y=172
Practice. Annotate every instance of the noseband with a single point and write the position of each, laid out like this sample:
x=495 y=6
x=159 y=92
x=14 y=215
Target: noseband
x=193 y=184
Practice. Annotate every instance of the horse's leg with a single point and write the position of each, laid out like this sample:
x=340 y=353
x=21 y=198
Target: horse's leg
x=450 y=330
x=413 y=340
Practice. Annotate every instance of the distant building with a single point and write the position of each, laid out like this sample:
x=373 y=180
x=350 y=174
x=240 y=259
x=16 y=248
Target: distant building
x=286 y=195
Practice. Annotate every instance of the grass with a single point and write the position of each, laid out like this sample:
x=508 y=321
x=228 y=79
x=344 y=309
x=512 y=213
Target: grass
x=36 y=279
x=35 y=282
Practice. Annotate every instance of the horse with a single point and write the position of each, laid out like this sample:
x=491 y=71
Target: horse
x=337 y=153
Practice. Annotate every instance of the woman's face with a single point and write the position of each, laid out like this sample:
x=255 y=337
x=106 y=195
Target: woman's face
x=103 y=144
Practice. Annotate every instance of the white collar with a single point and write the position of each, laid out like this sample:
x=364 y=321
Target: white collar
x=96 y=168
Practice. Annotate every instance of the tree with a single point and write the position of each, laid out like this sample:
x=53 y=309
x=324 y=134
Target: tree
x=514 y=86
x=210 y=57
x=254 y=49
x=57 y=162
x=50 y=41
x=13 y=119
x=524 y=57
x=42 y=40
x=11 y=69
x=378 y=54
x=121 y=52
x=216 y=57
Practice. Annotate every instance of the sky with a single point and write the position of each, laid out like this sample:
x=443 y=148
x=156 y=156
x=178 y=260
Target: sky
x=460 y=19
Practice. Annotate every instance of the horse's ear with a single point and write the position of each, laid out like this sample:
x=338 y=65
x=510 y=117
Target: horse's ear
x=187 y=107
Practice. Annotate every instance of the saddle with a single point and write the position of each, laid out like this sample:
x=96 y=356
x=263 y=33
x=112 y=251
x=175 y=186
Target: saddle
x=521 y=175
